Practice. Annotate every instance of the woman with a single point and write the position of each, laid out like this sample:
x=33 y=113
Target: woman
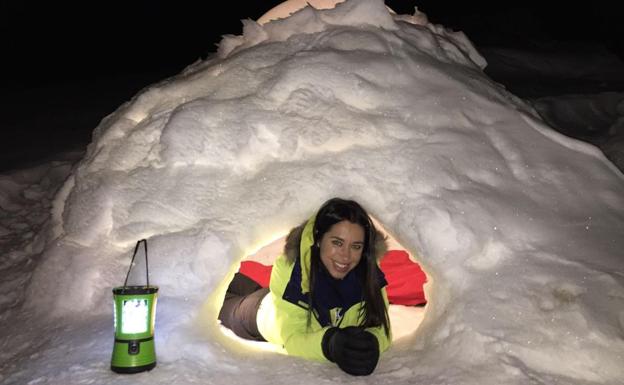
x=326 y=299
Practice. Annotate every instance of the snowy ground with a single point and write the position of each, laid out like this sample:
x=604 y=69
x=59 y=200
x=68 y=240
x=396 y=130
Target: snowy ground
x=519 y=226
x=576 y=91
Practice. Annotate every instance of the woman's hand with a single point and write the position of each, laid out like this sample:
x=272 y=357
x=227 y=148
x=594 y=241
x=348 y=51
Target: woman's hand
x=353 y=349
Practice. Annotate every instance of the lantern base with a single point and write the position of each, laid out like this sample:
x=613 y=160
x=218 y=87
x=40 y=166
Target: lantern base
x=133 y=356
x=132 y=369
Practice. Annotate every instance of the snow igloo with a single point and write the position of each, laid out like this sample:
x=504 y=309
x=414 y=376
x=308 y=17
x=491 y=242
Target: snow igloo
x=519 y=227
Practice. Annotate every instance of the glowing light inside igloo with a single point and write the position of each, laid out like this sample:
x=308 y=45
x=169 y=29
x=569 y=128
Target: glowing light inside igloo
x=407 y=284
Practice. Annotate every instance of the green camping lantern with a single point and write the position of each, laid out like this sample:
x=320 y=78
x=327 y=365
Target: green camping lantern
x=134 y=317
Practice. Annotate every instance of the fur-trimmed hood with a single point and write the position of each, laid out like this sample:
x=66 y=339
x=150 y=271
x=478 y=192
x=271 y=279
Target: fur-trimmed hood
x=293 y=243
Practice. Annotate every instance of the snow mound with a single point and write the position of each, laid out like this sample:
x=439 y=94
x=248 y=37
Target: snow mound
x=520 y=227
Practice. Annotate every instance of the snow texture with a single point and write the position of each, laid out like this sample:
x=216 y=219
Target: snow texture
x=520 y=227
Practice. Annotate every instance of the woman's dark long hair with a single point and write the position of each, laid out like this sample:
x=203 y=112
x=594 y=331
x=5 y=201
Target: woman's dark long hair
x=337 y=210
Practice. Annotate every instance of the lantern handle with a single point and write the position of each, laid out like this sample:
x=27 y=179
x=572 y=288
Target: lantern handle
x=136 y=248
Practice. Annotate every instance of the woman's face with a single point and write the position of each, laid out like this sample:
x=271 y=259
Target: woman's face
x=341 y=248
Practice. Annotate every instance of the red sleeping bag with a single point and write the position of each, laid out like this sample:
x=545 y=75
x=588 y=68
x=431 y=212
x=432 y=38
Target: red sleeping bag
x=405 y=278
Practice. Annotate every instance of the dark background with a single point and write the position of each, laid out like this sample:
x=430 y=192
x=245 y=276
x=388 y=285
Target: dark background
x=66 y=65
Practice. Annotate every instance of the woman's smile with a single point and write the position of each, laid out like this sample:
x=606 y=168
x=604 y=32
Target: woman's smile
x=341 y=248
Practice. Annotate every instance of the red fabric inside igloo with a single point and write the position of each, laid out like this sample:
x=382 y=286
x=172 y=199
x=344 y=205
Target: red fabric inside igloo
x=405 y=277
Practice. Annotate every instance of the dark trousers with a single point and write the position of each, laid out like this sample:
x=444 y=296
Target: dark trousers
x=240 y=307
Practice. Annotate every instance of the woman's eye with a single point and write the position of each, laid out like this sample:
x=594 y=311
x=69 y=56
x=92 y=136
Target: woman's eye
x=356 y=247
x=336 y=242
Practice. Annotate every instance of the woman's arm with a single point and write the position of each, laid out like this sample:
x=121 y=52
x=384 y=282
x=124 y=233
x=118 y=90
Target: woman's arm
x=291 y=320
x=298 y=339
x=379 y=332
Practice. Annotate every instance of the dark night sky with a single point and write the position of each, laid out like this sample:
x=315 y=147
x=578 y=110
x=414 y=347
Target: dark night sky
x=57 y=40
x=67 y=65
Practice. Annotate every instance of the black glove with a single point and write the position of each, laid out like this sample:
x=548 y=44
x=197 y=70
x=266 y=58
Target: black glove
x=353 y=349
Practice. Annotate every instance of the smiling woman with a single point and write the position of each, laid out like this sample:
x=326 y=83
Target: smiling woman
x=327 y=297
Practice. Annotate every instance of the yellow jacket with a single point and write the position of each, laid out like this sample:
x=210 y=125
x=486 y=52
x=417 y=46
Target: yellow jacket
x=283 y=316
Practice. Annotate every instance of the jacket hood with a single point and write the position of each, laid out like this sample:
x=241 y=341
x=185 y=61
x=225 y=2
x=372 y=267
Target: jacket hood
x=299 y=245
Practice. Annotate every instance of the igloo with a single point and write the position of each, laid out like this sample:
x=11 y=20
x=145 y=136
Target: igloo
x=519 y=227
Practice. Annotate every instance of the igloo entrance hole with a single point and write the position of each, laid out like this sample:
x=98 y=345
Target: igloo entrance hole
x=406 y=284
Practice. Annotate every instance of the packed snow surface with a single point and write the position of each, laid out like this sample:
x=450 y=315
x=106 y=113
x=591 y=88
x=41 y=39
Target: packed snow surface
x=520 y=227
